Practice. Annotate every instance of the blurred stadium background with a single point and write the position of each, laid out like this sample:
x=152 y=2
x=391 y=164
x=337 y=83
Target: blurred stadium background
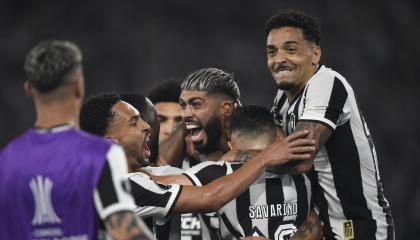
x=132 y=45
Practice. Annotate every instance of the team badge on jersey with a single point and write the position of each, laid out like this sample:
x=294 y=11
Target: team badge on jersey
x=348 y=230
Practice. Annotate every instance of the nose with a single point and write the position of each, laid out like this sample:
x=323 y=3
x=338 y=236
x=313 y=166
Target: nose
x=279 y=57
x=144 y=125
x=187 y=112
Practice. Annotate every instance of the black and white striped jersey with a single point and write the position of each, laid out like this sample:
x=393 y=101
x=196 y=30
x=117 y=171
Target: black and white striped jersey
x=152 y=198
x=189 y=225
x=274 y=206
x=348 y=192
x=206 y=223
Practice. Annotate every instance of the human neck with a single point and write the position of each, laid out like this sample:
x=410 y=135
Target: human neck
x=56 y=113
x=295 y=92
x=213 y=156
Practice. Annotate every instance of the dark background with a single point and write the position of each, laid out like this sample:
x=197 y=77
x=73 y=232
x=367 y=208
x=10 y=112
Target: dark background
x=132 y=45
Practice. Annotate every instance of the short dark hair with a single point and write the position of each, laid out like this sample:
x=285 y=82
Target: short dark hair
x=295 y=18
x=212 y=81
x=168 y=91
x=96 y=113
x=48 y=65
x=252 y=120
x=136 y=100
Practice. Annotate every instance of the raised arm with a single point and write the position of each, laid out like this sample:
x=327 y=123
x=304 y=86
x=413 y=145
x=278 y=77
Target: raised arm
x=219 y=192
x=317 y=131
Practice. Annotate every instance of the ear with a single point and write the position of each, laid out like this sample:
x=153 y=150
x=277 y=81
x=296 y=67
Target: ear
x=316 y=55
x=79 y=87
x=231 y=145
x=227 y=108
x=27 y=88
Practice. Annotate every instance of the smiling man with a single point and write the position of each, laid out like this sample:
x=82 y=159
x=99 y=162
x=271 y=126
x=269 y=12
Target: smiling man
x=348 y=191
x=207 y=99
x=106 y=115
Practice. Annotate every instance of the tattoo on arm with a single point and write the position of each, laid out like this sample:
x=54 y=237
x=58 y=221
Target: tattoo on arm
x=311 y=229
x=124 y=225
x=305 y=230
x=317 y=131
x=243 y=155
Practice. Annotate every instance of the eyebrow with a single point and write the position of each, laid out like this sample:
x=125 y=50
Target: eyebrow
x=191 y=99
x=134 y=118
x=291 y=42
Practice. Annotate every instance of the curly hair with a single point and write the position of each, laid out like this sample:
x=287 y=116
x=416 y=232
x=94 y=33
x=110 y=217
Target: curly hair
x=295 y=18
x=212 y=80
x=48 y=65
x=96 y=113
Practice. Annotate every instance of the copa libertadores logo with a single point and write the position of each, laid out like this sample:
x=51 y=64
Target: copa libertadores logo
x=44 y=212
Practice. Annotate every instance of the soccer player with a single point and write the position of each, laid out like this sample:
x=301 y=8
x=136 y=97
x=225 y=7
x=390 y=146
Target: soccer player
x=165 y=98
x=55 y=179
x=348 y=192
x=274 y=206
x=150 y=116
x=106 y=115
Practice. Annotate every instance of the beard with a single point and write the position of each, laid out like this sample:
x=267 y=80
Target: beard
x=132 y=151
x=286 y=85
x=214 y=131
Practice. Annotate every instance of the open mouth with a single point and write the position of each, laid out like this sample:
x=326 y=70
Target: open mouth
x=196 y=130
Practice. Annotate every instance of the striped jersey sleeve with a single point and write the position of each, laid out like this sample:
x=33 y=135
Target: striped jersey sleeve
x=112 y=193
x=153 y=198
x=206 y=172
x=325 y=99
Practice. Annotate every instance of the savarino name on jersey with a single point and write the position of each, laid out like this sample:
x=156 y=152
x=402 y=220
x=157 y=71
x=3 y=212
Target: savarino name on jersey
x=273 y=210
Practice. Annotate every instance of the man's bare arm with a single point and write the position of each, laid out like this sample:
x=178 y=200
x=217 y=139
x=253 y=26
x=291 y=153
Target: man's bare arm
x=172 y=179
x=318 y=132
x=124 y=225
x=216 y=194
x=311 y=228
x=239 y=155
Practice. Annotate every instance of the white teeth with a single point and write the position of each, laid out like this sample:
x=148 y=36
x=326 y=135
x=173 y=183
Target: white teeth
x=191 y=126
